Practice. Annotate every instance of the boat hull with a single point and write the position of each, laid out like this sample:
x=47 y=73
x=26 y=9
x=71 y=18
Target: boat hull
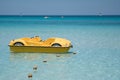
x=39 y=49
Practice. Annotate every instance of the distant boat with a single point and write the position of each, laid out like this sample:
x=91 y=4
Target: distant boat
x=46 y=17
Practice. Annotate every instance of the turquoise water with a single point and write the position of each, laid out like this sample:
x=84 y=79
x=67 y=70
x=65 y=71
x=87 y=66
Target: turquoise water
x=95 y=40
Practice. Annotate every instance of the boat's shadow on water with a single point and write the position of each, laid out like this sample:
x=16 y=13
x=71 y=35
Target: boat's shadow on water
x=38 y=56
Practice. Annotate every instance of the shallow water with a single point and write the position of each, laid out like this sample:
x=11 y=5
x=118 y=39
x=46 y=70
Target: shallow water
x=95 y=41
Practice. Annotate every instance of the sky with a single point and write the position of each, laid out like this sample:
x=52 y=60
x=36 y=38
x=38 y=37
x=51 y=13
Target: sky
x=59 y=7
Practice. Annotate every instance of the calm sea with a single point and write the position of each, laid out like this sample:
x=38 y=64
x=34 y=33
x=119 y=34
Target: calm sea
x=95 y=39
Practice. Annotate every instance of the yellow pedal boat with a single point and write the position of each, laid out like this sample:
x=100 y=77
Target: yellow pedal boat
x=36 y=44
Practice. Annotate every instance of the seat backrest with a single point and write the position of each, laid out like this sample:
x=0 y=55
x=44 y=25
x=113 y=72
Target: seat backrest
x=49 y=41
x=36 y=39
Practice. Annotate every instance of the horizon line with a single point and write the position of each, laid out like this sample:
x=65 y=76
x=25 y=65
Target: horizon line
x=59 y=15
